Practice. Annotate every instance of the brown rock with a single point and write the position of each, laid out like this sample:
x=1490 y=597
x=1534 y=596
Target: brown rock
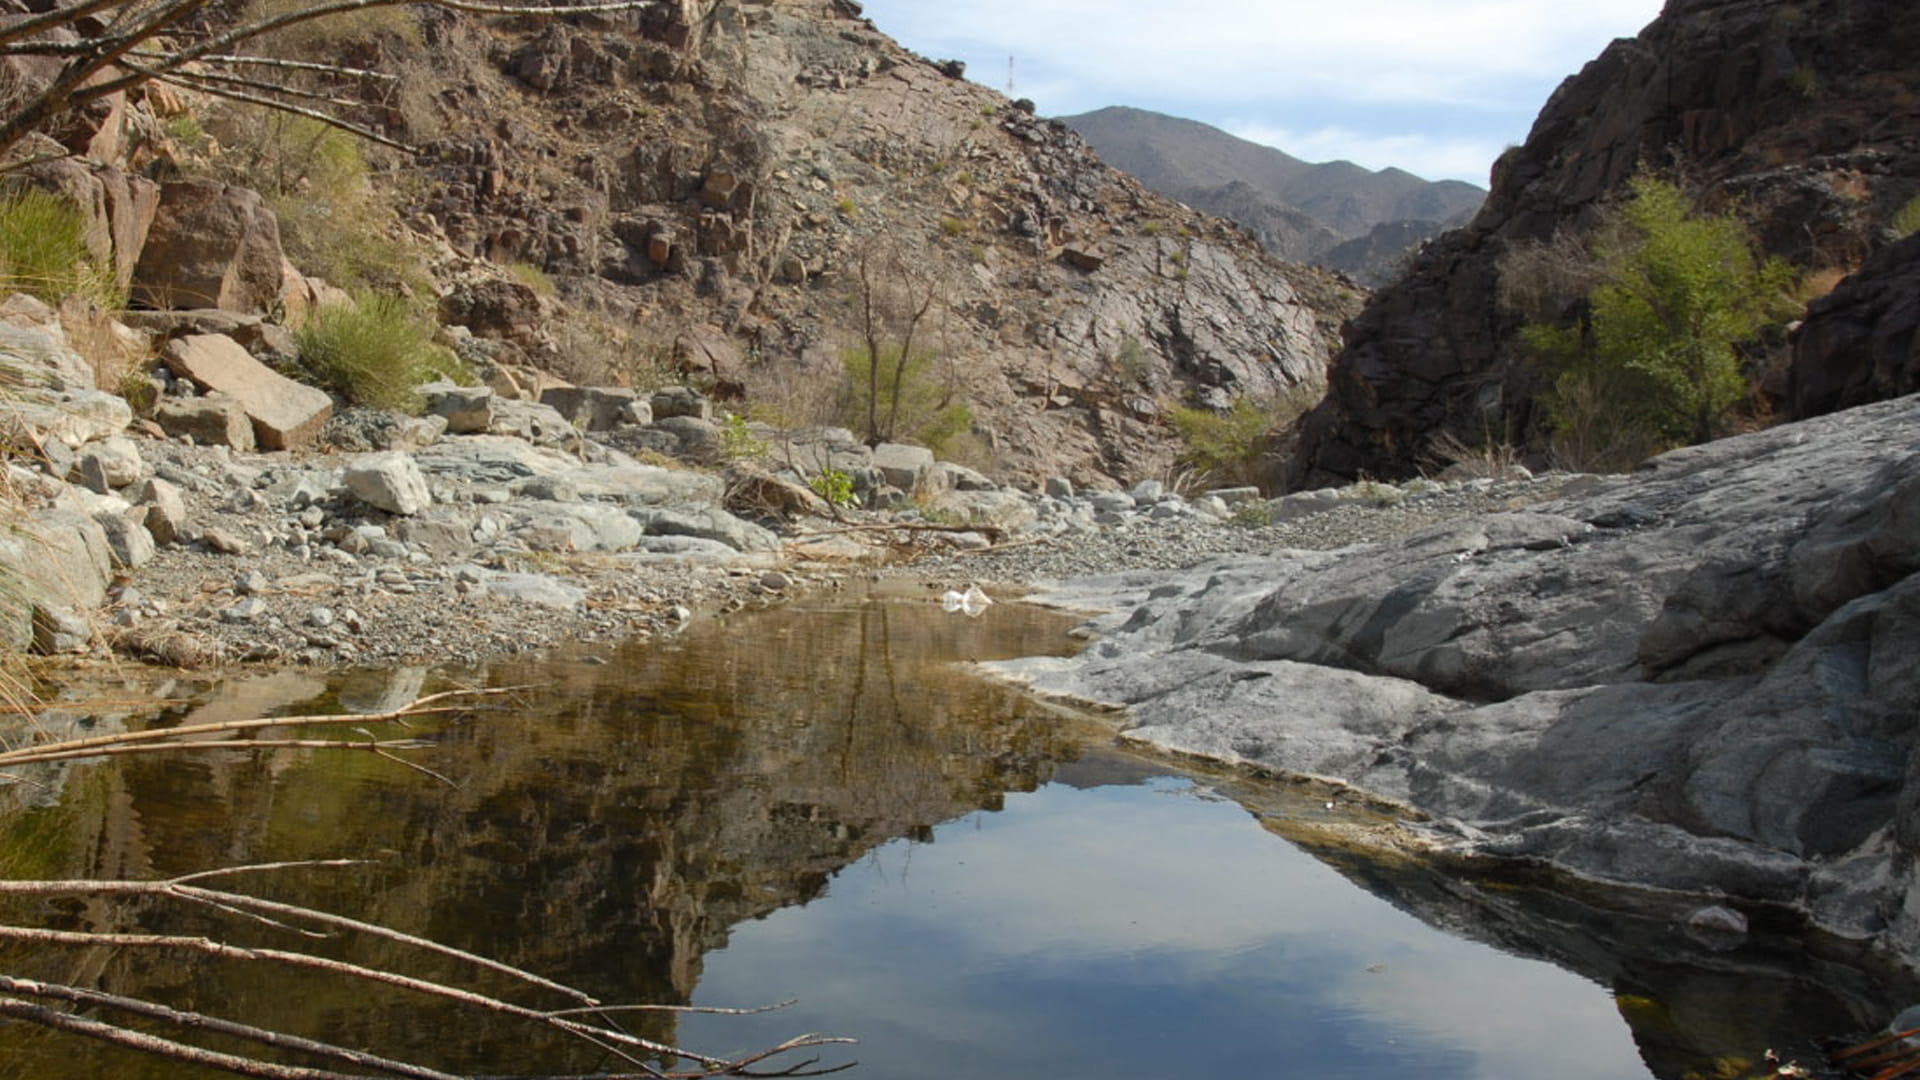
x=1083 y=257
x=285 y=414
x=211 y=245
x=119 y=208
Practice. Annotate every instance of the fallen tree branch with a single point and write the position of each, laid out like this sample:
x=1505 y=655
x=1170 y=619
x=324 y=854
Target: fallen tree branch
x=566 y=1021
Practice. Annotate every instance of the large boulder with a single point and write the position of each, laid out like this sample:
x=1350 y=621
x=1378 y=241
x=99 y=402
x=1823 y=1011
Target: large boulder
x=1697 y=678
x=211 y=245
x=61 y=563
x=34 y=343
x=285 y=414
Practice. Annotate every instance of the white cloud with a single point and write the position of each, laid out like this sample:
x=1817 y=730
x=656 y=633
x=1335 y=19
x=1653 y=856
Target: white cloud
x=1434 y=157
x=1303 y=66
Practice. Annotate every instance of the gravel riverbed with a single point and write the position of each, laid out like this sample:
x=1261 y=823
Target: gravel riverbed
x=248 y=591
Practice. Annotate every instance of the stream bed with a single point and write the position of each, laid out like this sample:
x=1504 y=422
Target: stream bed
x=817 y=803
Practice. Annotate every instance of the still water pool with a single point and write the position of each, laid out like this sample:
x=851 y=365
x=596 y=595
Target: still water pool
x=820 y=804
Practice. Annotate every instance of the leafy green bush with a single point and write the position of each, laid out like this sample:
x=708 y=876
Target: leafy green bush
x=374 y=352
x=43 y=251
x=834 y=486
x=1677 y=292
x=1232 y=447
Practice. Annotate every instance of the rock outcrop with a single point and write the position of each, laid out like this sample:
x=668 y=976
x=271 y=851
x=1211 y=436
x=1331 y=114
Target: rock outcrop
x=1698 y=677
x=1857 y=344
x=1803 y=116
x=731 y=177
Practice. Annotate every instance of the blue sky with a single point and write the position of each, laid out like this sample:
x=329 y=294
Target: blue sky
x=1436 y=87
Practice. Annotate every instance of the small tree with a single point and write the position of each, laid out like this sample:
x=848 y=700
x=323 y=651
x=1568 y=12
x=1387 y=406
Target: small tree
x=896 y=300
x=1677 y=292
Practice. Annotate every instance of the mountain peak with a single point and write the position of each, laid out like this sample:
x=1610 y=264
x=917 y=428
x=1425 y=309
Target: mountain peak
x=1328 y=203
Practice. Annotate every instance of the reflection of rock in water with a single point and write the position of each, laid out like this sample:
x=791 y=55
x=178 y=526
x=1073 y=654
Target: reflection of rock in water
x=613 y=828
x=1686 y=1002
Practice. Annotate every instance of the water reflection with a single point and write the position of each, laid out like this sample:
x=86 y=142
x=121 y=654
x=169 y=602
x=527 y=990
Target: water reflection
x=743 y=816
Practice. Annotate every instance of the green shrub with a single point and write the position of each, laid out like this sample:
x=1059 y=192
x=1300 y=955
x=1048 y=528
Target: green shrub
x=737 y=441
x=1677 y=293
x=911 y=402
x=374 y=352
x=1226 y=448
x=834 y=486
x=43 y=251
x=533 y=278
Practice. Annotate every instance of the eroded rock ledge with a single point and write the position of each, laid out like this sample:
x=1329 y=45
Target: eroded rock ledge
x=1702 y=676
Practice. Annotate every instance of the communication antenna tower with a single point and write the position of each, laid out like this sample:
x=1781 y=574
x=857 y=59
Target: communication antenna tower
x=1009 y=76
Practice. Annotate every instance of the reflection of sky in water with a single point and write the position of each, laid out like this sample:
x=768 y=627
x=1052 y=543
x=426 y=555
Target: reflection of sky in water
x=1143 y=932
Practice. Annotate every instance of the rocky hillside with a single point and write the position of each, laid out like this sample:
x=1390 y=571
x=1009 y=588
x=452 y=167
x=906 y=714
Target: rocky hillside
x=1803 y=116
x=1301 y=211
x=701 y=179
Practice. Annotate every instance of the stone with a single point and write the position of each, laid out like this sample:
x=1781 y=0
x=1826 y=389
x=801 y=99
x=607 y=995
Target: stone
x=680 y=401
x=118 y=208
x=1857 y=343
x=115 y=462
x=593 y=408
x=225 y=541
x=1059 y=487
x=132 y=545
x=211 y=245
x=217 y=420
x=251 y=609
x=165 y=510
x=60 y=559
x=468 y=410
x=35 y=341
x=60 y=630
x=537 y=589
x=904 y=467
x=72 y=418
x=539 y=424
x=707 y=523
x=286 y=415
x=389 y=481
x=947 y=476
x=1083 y=257
x=695 y=439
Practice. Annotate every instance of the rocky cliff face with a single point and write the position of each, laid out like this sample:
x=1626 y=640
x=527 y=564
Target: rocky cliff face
x=1805 y=117
x=700 y=178
x=712 y=171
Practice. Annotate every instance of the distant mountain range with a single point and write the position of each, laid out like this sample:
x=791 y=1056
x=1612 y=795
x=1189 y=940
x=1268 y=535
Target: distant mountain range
x=1336 y=214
